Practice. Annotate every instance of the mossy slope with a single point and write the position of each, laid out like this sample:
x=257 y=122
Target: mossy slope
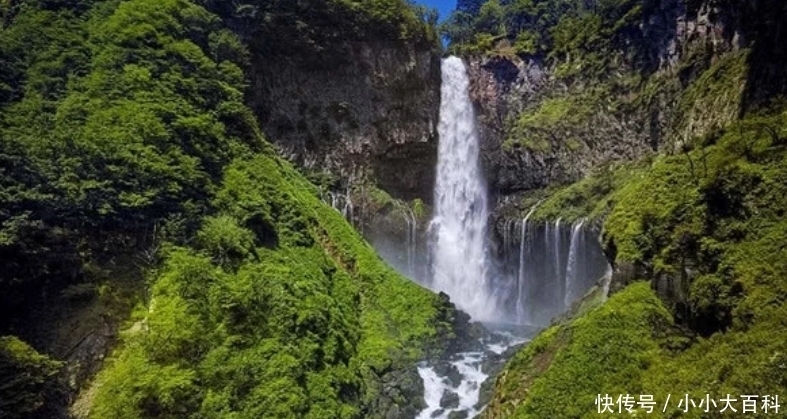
x=125 y=138
x=706 y=228
x=279 y=310
x=557 y=374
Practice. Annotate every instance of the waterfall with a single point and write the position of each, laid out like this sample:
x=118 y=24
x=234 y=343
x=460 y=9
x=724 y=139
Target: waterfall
x=411 y=239
x=522 y=285
x=341 y=203
x=573 y=266
x=332 y=199
x=347 y=209
x=460 y=221
x=547 y=269
x=559 y=278
x=529 y=293
x=507 y=234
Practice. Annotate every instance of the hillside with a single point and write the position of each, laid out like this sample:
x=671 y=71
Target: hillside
x=187 y=187
x=663 y=124
x=146 y=219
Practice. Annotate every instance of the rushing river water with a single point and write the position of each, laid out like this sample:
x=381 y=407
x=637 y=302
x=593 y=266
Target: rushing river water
x=454 y=386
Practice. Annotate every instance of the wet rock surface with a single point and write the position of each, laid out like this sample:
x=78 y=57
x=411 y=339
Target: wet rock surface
x=450 y=400
x=400 y=394
x=460 y=384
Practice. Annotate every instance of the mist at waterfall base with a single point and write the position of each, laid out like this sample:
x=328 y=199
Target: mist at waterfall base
x=532 y=281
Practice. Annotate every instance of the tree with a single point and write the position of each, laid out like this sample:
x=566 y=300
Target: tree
x=471 y=7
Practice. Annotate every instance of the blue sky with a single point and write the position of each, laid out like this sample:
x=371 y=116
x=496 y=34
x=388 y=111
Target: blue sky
x=443 y=6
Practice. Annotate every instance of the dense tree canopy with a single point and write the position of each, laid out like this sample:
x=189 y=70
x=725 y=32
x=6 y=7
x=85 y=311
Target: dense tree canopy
x=560 y=30
x=126 y=146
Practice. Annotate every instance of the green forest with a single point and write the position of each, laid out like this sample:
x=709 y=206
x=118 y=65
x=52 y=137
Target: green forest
x=139 y=192
x=144 y=212
x=704 y=214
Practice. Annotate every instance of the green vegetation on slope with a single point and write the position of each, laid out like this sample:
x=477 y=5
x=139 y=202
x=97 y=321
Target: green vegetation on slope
x=712 y=219
x=126 y=145
x=607 y=350
x=130 y=132
x=587 y=37
x=704 y=109
x=706 y=227
x=279 y=310
x=557 y=120
x=591 y=197
x=28 y=377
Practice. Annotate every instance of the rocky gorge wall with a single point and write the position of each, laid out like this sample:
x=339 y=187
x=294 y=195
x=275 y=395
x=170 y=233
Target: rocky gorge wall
x=672 y=86
x=368 y=115
x=360 y=119
x=541 y=129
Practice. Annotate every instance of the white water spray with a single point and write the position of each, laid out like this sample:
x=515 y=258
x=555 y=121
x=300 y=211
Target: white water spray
x=558 y=265
x=572 y=267
x=460 y=222
x=522 y=279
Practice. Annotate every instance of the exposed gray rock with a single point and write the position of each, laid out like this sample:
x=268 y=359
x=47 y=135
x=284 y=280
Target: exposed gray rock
x=400 y=394
x=449 y=371
x=449 y=400
x=505 y=87
x=370 y=115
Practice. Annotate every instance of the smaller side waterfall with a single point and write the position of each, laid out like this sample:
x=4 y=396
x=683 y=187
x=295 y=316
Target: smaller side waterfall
x=411 y=240
x=507 y=239
x=347 y=209
x=545 y=267
x=559 y=274
x=341 y=202
x=574 y=266
x=522 y=283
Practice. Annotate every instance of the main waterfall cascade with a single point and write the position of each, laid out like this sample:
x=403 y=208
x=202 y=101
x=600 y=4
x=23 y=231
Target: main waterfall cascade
x=459 y=227
x=515 y=284
x=541 y=269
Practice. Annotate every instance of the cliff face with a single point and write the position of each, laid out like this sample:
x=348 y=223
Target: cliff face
x=361 y=120
x=506 y=88
x=675 y=85
x=541 y=128
x=698 y=86
x=369 y=114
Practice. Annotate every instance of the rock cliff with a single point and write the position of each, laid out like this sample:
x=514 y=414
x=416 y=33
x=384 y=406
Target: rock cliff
x=541 y=129
x=369 y=115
